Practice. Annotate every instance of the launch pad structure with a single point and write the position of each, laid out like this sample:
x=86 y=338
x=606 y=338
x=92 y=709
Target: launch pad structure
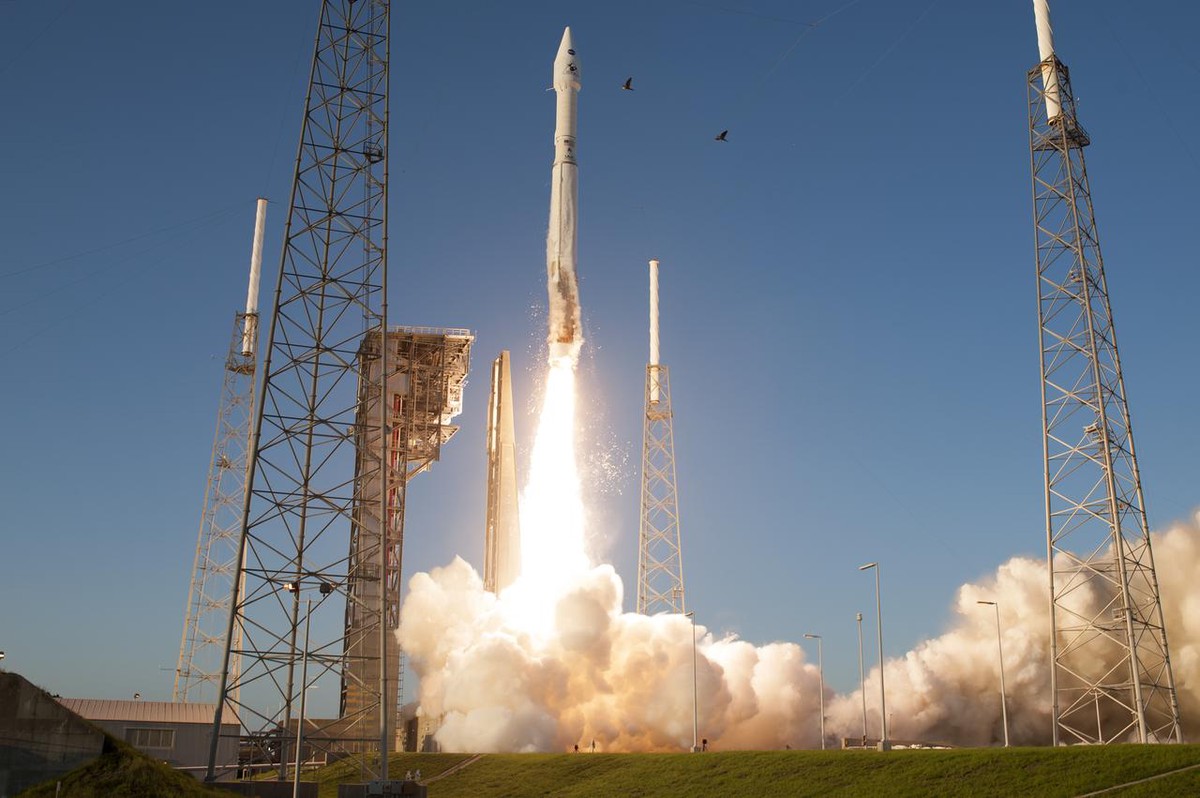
x=1111 y=674
x=660 y=552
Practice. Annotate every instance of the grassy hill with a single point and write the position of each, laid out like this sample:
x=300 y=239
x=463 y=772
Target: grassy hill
x=1026 y=772
x=122 y=771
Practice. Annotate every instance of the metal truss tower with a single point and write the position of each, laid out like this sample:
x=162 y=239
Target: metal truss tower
x=307 y=469
x=198 y=670
x=1111 y=676
x=660 y=554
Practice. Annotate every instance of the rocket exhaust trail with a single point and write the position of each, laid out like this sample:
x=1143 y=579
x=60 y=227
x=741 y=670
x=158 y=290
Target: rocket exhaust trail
x=566 y=336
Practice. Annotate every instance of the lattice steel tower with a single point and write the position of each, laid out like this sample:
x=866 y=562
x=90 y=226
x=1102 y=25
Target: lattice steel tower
x=308 y=468
x=1111 y=676
x=660 y=555
x=206 y=616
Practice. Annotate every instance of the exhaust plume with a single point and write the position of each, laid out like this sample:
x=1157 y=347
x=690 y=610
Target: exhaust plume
x=592 y=671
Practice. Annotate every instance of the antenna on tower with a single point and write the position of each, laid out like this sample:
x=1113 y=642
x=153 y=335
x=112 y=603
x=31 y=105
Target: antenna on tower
x=1111 y=677
x=660 y=555
x=198 y=672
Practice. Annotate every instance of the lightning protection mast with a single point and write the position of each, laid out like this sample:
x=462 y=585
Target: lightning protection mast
x=198 y=671
x=660 y=555
x=1111 y=678
x=320 y=430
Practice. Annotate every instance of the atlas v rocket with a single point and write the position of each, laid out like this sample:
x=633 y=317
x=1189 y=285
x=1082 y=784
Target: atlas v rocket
x=566 y=334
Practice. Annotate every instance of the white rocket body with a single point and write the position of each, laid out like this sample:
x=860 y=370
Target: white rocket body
x=566 y=336
x=1045 y=35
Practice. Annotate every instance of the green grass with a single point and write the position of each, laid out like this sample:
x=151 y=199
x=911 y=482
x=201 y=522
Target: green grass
x=122 y=771
x=1025 y=772
x=1179 y=784
x=350 y=770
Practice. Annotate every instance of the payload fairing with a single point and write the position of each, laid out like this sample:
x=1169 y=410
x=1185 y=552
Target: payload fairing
x=566 y=336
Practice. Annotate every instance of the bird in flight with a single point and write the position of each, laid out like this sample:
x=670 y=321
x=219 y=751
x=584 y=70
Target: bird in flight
x=721 y=136
x=628 y=84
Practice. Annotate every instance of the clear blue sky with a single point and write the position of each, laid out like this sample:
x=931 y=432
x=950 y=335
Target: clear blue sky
x=848 y=287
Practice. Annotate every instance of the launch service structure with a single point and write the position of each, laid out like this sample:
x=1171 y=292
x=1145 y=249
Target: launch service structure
x=1111 y=677
x=427 y=371
x=308 y=473
x=660 y=553
x=201 y=648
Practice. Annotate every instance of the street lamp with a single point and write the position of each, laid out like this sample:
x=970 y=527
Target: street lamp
x=296 y=587
x=862 y=679
x=1000 y=651
x=695 y=710
x=884 y=745
x=821 y=675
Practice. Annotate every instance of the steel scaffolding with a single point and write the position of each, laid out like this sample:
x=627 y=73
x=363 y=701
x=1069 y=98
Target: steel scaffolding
x=198 y=670
x=307 y=471
x=1111 y=677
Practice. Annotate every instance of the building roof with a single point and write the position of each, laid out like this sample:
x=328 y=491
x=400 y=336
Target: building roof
x=147 y=711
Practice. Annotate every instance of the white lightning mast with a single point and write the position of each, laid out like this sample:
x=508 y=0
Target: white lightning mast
x=1111 y=677
x=198 y=670
x=660 y=554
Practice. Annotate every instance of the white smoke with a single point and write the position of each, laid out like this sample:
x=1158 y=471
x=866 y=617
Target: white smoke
x=625 y=680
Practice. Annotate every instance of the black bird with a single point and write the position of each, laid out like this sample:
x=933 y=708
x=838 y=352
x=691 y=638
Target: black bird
x=628 y=84
x=721 y=136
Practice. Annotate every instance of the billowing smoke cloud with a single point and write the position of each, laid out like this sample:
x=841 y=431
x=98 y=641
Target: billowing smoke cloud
x=625 y=680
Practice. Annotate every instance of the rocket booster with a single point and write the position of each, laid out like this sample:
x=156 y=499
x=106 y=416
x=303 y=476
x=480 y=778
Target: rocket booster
x=566 y=336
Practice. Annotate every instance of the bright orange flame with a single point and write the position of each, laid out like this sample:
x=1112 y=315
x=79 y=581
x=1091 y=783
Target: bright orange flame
x=553 y=554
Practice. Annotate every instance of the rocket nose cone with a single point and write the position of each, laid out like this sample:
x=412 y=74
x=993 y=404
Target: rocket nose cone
x=566 y=64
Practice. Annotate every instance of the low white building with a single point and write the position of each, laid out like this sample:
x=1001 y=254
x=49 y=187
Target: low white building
x=176 y=733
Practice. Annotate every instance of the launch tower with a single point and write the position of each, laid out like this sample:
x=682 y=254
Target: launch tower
x=1111 y=676
x=660 y=556
x=198 y=671
x=307 y=472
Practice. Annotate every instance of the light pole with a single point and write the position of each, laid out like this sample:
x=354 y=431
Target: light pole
x=884 y=745
x=1000 y=651
x=695 y=692
x=821 y=675
x=862 y=679
x=296 y=587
